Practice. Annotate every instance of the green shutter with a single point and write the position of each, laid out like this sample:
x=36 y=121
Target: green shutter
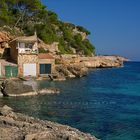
x=14 y=71
x=7 y=71
x=45 y=68
x=11 y=71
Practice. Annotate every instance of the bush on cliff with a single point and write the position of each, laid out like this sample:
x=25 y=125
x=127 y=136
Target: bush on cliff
x=32 y=15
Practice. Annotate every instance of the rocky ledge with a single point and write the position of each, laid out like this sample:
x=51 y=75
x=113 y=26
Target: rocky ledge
x=72 y=70
x=24 y=88
x=103 y=61
x=76 y=66
x=16 y=126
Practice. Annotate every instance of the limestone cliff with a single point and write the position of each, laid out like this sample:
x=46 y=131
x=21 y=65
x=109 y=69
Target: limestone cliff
x=4 y=37
x=91 y=62
x=103 y=61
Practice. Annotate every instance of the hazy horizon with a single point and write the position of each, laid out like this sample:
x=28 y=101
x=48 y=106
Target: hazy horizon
x=114 y=24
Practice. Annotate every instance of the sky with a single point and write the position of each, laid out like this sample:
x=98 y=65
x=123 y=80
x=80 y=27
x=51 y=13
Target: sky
x=114 y=24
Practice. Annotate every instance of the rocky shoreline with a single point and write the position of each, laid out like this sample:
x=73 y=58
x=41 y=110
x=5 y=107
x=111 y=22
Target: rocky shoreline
x=72 y=66
x=24 y=88
x=16 y=126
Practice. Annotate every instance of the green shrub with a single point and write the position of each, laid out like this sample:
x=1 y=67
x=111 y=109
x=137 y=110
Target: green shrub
x=32 y=15
x=57 y=61
x=82 y=29
x=42 y=50
x=46 y=33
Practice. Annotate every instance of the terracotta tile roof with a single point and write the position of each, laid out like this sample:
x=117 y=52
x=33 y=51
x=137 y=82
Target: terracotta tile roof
x=26 y=39
x=45 y=56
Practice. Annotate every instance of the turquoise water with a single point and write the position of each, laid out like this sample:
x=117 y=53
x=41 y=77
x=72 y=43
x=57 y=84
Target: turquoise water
x=106 y=103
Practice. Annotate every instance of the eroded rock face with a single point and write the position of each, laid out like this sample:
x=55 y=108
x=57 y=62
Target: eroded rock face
x=4 y=36
x=92 y=62
x=72 y=70
x=79 y=70
x=16 y=126
x=77 y=66
x=102 y=61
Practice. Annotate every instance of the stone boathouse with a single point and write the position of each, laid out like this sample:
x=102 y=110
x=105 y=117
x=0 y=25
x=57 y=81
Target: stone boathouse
x=25 y=52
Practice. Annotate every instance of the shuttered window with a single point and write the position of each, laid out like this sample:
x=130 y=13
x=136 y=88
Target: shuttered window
x=45 y=68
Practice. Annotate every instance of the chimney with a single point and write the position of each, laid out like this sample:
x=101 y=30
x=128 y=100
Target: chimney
x=35 y=34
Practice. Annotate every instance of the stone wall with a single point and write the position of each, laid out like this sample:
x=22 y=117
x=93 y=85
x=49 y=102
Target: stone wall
x=22 y=59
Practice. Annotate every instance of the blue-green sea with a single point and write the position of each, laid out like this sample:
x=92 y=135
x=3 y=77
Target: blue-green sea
x=106 y=103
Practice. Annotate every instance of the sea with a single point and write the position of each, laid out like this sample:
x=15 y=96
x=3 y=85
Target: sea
x=105 y=103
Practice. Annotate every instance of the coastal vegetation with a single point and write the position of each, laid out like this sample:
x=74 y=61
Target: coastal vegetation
x=28 y=16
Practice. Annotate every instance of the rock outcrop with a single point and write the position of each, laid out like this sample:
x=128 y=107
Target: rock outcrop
x=52 y=48
x=10 y=87
x=102 y=61
x=92 y=62
x=108 y=61
x=79 y=70
x=4 y=37
x=71 y=70
x=77 y=66
x=23 y=88
x=16 y=126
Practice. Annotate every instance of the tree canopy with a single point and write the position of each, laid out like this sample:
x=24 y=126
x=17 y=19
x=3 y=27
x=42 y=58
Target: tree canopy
x=31 y=15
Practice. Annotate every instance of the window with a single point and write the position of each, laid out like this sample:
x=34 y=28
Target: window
x=29 y=45
x=45 y=68
x=21 y=45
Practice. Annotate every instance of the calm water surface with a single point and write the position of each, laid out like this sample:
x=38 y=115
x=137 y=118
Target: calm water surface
x=106 y=103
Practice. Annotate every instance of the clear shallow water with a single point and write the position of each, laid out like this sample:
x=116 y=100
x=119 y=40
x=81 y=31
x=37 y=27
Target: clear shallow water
x=106 y=103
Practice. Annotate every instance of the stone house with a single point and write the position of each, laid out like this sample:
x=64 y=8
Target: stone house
x=24 y=51
x=8 y=69
x=46 y=64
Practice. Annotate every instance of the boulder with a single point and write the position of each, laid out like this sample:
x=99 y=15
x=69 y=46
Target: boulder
x=9 y=87
x=57 y=76
x=78 y=70
x=62 y=69
x=22 y=88
x=6 y=110
x=72 y=70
